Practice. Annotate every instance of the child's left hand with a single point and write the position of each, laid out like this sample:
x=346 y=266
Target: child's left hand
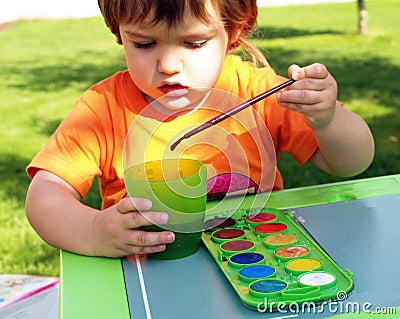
x=314 y=94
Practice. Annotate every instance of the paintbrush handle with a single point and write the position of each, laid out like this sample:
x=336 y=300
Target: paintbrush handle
x=238 y=108
x=232 y=111
x=255 y=100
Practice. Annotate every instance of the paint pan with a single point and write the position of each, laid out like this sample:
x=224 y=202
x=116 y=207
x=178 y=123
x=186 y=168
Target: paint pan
x=238 y=245
x=279 y=240
x=264 y=230
x=219 y=223
x=289 y=252
x=245 y=259
x=299 y=266
x=317 y=278
x=255 y=272
x=223 y=235
x=260 y=218
x=267 y=287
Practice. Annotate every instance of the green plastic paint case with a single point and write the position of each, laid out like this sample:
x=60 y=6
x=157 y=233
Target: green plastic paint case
x=283 y=287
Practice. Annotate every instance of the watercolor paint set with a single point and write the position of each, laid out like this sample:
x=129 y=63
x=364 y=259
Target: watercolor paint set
x=271 y=261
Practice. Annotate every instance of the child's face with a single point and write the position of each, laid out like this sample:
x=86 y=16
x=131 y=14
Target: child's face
x=164 y=60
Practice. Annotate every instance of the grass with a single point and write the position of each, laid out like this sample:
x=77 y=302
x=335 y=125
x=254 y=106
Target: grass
x=46 y=65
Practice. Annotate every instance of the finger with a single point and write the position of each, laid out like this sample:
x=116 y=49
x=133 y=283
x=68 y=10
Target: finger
x=138 y=219
x=315 y=71
x=306 y=97
x=127 y=249
x=147 y=239
x=145 y=249
x=294 y=68
x=309 y=84
x=300 y=108
x=130 y=204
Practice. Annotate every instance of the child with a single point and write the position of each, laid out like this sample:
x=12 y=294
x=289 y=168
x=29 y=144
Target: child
x=170 y=46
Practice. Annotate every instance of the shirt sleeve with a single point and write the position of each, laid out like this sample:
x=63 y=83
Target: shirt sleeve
x=296 y=137
x=73 y=151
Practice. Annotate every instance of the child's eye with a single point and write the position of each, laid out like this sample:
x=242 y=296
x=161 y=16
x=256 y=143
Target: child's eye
x=196 y=44
x=146 y=45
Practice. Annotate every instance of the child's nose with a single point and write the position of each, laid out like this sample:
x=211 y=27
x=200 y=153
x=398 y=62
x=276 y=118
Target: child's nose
x=169 y=62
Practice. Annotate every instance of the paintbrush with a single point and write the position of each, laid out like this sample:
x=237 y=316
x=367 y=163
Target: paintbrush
x=231 y=112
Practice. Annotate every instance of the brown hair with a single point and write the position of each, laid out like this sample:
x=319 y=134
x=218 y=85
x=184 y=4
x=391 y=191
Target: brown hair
x=239 y=17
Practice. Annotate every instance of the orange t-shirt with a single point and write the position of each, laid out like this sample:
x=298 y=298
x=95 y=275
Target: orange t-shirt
x=241 y=151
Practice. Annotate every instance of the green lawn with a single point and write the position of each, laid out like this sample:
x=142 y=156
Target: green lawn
x=46 y=65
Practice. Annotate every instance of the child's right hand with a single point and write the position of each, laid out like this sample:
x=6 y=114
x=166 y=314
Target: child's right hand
x=115 y=232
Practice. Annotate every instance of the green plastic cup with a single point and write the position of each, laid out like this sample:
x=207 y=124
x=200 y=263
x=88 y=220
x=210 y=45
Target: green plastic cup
x=179 y=188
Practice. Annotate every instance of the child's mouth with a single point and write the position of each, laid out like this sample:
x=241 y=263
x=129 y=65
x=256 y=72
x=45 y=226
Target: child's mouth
x=173 y=89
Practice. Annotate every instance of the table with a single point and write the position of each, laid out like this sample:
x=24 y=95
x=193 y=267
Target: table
x=356 y=223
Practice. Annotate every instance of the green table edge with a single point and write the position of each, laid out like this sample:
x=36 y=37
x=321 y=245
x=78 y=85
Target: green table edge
x=104 y=292
x=110 y=297
x=315 y=195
